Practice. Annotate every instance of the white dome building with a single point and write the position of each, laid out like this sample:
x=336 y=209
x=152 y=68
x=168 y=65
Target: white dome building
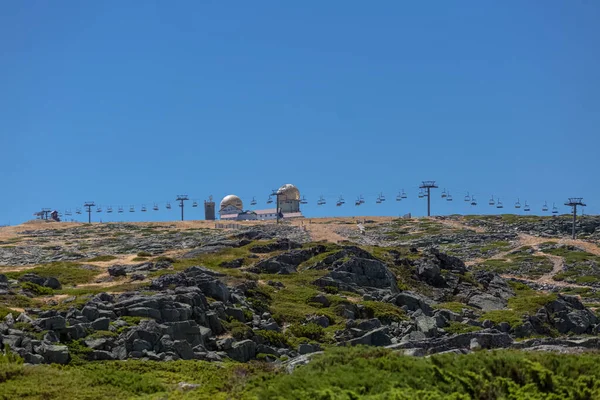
x=289 y=198
x=230 y=207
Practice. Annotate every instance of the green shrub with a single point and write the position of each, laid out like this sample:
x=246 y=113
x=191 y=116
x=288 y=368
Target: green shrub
x=68 y=273
x=37 y=289
x=274 y=338
x=457 y=327
x=144 y=254
x=331 y=290
x=310 y=331
x=238 y=330
x=385 y=312
x=165 y=258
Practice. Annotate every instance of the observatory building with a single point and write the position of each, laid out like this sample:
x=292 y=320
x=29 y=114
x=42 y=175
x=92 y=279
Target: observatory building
x=287 y=201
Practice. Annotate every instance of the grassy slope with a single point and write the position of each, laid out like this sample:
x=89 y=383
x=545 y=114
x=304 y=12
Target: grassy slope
x=342 y=373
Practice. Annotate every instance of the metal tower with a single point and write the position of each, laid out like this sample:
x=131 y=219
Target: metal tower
x=428 y=185
x=89 y=205
x=574 y=202
x=181 y=198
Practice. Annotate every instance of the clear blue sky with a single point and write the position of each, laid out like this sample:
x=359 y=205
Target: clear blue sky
x=130 y=102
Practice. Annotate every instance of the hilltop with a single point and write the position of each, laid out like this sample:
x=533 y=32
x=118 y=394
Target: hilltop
x=268 y=298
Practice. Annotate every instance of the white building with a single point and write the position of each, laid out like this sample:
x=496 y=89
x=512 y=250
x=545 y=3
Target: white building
x=288 y=196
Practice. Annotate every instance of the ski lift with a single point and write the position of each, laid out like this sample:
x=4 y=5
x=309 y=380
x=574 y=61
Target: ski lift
x=303 y=200
x=155 y=208
x=517 y=204
x=99 y=209
x=269 y=200
x=143 y=208
x=526 y=208
x=131 y=209
x=404 y=196
x=362 y=200
x=448 y=196
x=491 y=202
x=381 y=196
x=120 y=211
x=357 y=202
x=168 y=206
x=554 y=209
x=109 y=209
x=194 y=203
x=467 y=197
x=341 y=200
x=378 y=201
x=78 y=211
x=68 y=212
x=321 y=201
x=473 y=201
x=499 y=203
x=444 y=194
x=545 y=206
x=421 y=194
x=253 y=202
x=399 y=197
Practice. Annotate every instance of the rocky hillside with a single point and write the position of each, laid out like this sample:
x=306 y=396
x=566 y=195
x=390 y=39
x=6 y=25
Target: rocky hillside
x=271 y=294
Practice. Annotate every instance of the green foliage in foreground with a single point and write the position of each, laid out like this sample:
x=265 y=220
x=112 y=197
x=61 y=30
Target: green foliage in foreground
x=339 y=374
x=68 y=273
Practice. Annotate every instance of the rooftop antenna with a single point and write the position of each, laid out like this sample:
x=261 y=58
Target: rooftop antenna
x=428 y=185
x=181 y=198
x=574 y=202
x=89 y=205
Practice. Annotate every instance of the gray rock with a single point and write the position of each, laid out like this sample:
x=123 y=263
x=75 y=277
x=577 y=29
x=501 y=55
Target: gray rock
x=320 y=320
x=427 y=325
x=54 y=354
x=376 y=337
x=413 y=301
x=306 y=348
x=52 y=323
x=487 y=302
x=101 y=324
x=242 y=351
x=183 y=349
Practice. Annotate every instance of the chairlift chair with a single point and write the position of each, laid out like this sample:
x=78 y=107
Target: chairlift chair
x=526 y=208
x=168 y=206
x=357 y=202
x=68 y=212
x=444 y=194
x=120 y=211
x=448 y=196
x=303 y=200
x=499 y=203
x=253 y=202
x=143 y=208
x=269 y=200
x=131 y=209
x=421 y=194
x=78 y=211
x=362 y=200
x=341 y=200
x=194 y=203
x=381 y=196
x=99 y=209
x=554 y=209
x=517 y=204
x=109 y=209
x=545 y=206
x=491 y=202
x=467 y=197
x=378 y=201
x=155 y=208
x=399 y=197
x=473 y=201
x=404 y=196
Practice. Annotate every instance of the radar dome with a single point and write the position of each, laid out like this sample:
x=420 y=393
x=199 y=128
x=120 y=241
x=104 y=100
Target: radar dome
x=289 y=192
x=232 y=200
